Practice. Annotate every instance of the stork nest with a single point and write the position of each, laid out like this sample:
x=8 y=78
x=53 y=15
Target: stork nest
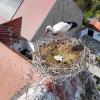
x=70 y=53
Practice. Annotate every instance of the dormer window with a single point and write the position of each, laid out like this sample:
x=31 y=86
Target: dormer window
x=9 y=7
x=90 y=32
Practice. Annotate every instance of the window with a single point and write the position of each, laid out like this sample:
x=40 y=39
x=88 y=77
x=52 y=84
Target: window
x=98 y=34
x=18 y=42
x=9 y=7
x=90 y=33
x=19 y=49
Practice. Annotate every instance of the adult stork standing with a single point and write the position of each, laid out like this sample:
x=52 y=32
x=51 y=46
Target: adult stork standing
x=60 y=28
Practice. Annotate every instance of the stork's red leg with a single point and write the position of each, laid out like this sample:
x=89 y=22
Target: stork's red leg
x=58 y=40
x=65 y=40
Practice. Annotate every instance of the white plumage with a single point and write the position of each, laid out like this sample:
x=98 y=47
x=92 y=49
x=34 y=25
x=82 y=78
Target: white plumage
x=60 y=27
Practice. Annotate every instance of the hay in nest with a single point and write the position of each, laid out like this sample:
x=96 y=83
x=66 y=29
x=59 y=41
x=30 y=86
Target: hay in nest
x=70 y=53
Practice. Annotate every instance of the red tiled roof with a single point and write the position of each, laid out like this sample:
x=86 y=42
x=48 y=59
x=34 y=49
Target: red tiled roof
x=14 y=71
x=14 y=24
x=33 y=13
x=15 y=30
x=95 y=24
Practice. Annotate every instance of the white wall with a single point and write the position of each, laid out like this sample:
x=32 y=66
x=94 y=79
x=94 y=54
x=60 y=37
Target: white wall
x=19 y=45
x=23 y=44
x=84 y=32
x=96 y=36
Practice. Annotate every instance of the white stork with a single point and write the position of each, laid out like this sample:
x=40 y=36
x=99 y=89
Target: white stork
x=59 y=28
